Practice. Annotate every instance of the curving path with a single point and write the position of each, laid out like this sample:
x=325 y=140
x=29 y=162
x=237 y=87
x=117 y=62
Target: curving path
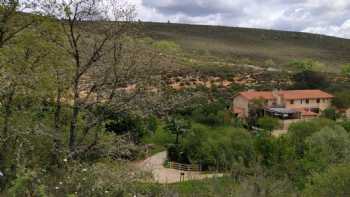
x=154 y=164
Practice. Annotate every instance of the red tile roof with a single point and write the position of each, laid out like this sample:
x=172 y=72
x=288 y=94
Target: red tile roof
x=305 y=112
x=305 y=94
x=250 y=95
x=286 y=94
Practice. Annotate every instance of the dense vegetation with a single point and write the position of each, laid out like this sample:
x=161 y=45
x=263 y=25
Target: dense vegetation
x=83 y=95
x=263 y=165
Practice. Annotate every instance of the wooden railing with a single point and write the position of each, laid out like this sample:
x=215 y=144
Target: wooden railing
x=184 y=167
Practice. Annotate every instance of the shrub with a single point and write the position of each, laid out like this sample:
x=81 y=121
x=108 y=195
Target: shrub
x=176 y=153
x=342 y=100
x=330 y=113
x=310 y=80
x=152 y=124
x=346 y=70
x=331 y=145
x=268 y=123
x=298 y=132
x=121 y=124
x=346 y=125
x=211 y=114
x=219 y=148
x=167 y=46
x=334 y=182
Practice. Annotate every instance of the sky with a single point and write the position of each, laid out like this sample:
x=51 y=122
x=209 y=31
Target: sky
x=329 y=17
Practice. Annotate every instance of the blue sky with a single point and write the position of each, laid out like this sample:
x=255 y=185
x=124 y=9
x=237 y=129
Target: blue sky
x=330 y=17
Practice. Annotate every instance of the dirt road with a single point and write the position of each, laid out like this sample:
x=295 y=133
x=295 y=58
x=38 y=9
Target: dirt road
x=154 y=164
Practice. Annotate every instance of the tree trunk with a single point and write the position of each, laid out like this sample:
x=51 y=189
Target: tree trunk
x=177 y=139
x=57 y=132
x=75 y=113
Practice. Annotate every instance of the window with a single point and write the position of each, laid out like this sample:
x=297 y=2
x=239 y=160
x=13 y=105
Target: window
x=291 y=102
x=307 y=101
x=318 y=100
x=301 y=101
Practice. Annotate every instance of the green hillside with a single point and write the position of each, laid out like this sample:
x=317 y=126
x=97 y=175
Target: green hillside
x=253 y=45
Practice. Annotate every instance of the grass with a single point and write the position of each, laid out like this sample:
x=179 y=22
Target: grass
x=207 y=187
x=253 y=46
x=223 y=186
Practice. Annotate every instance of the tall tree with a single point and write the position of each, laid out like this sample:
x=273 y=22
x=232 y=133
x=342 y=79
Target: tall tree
x=13 y=50
x=12 y=21
x=109 y=67
x=178 y=127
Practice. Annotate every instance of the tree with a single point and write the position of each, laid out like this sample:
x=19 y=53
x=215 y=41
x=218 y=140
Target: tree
x=330 y=113
x=219 y=148
x=307 y=65
x=342 y=100
x=12 y=21
x=309 y=75
x=298 y=132
x=15 y=48
x=122 y=123
x=178 y=127
x=333 y=182
x=105 y=61
x=346 y=125
x=331 y=145
x=23 y=60
x=308 y=79
x=268 y=123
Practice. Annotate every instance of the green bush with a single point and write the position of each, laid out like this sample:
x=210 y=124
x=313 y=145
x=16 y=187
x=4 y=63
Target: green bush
x=298 y=132
x=218 y=148
x=152 y=124
x=331 y=145
x=333 y=182
x=310 y=80
x=341 y=100
x=167 y=46
x=176 y=153
x=268 y=123
x=346 y=125
x=331 y=114
x=212 y=114
x=177 y=126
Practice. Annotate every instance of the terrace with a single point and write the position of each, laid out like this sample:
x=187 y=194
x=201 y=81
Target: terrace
x=282 y=113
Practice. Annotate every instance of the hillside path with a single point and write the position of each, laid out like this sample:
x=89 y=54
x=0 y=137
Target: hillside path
x=154 y=164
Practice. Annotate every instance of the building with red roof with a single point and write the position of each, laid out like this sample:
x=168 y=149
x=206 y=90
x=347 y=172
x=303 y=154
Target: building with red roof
x=285 y=104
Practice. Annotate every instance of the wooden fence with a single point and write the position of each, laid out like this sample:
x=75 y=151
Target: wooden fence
x=184 y=167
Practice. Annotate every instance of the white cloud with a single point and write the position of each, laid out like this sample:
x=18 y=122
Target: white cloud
x=341 y=31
